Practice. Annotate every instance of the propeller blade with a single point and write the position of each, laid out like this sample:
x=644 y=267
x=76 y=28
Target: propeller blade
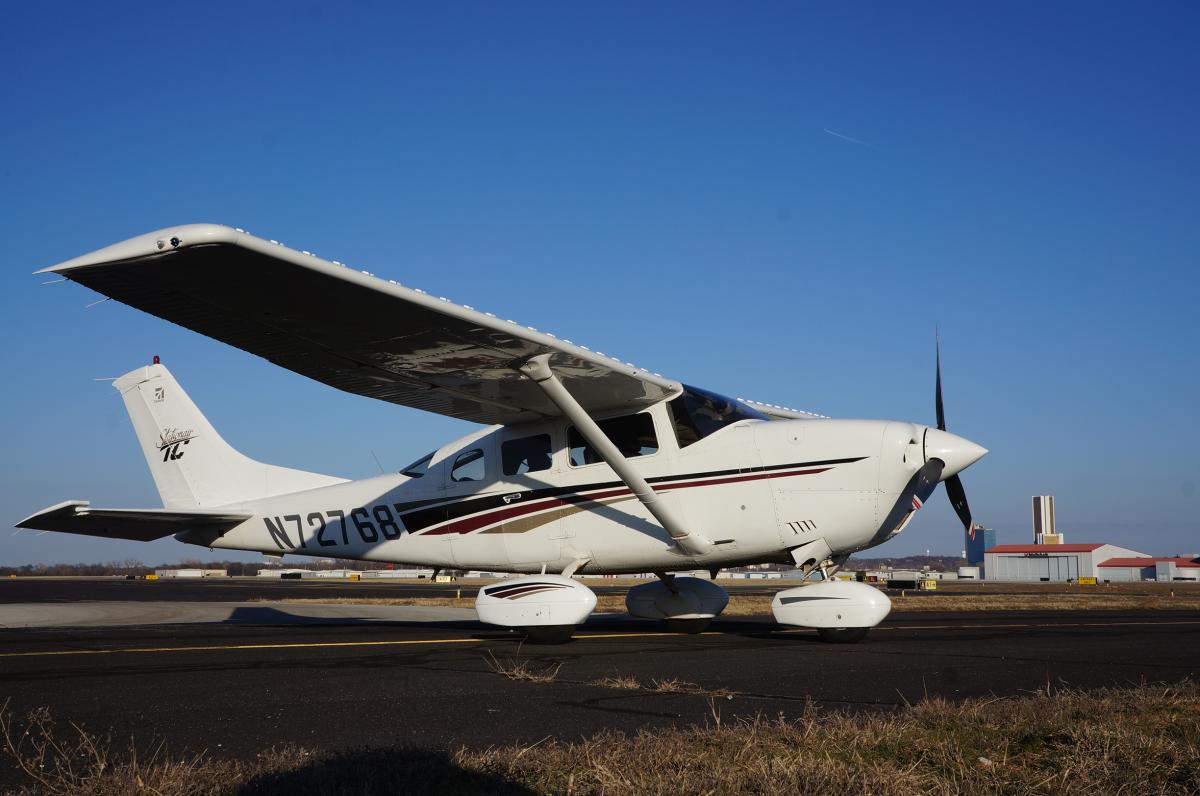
x=927 y=479
x=958 y=499
x=941 y=412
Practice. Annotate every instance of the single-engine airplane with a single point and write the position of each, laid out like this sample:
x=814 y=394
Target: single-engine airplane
x=586 y=465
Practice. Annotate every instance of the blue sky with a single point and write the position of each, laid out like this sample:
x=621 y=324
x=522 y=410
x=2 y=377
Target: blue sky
x=778 y=201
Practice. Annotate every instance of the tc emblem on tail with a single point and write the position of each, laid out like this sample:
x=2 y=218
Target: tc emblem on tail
x=171 y=440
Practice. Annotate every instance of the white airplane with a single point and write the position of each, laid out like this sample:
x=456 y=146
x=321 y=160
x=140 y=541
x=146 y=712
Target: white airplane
x=586 y=465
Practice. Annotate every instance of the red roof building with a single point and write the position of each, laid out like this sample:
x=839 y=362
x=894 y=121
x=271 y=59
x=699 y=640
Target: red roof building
x=1045 y=548
x=1150 y=568
x=1060 y=562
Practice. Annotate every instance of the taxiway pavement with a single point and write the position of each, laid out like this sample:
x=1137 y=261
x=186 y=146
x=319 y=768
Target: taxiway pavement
x=241 y=677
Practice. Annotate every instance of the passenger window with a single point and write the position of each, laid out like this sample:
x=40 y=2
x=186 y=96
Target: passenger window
x=526 y=455
x=633 y=435
x=468 y=466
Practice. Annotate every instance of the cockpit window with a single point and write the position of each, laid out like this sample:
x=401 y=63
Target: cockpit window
x=698 y=413
x=419 y=467
x=632 y=434
x=526 y=455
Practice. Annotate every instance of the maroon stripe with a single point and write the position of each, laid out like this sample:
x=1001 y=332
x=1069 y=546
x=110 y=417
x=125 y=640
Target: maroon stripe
x=468 y=524
x=529 y=591
x=524 y=587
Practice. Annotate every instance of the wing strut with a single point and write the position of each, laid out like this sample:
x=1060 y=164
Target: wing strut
x=539 y=371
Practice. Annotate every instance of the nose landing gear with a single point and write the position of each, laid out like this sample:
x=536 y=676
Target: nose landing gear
x=684 y=605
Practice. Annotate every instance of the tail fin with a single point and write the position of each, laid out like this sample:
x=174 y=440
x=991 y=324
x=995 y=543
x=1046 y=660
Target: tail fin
x=192 y=466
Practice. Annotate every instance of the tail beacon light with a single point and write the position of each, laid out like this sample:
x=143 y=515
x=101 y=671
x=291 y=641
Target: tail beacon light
x=840 y=610
x=546 y=607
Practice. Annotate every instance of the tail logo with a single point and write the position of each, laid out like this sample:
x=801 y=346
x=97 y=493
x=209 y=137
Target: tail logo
x=171 y=440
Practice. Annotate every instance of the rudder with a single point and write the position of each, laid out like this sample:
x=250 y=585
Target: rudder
x=191 y=464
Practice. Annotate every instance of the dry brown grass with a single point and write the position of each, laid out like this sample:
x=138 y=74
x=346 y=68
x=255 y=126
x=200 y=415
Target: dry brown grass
x=624 y=682
x=526 y=670
x=1136 y=740
x=1081 y=601
x=676 y=686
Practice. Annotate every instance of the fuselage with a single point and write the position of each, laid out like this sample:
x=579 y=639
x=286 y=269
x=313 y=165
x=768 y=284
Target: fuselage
x=528 y=498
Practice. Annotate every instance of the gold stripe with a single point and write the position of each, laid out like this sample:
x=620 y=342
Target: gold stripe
x=528 y=523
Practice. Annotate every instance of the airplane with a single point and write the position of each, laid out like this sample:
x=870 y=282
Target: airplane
x=584 y=465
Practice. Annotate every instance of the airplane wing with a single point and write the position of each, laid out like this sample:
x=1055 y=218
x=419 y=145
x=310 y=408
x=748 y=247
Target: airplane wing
x=782 y=412
x=351 y=330
x=142 y=525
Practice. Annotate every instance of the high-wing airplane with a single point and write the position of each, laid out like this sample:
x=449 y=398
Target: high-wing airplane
x=586 y=464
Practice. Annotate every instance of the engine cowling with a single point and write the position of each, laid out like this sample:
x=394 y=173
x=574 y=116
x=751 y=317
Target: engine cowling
x=547 y=607
x=690 y=608
x=840 y=610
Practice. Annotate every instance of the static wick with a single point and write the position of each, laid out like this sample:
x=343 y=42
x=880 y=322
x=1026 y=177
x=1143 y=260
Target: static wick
x=54 y=281
x=94 y=303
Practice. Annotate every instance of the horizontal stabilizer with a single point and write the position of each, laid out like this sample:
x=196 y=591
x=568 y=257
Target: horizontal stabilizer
x=142 y=525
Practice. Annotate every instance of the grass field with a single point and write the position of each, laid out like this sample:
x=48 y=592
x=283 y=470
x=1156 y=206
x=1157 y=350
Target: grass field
x=1137 y=740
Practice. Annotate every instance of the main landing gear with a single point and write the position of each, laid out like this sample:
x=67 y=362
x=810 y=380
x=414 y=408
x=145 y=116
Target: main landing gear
x=546 y=607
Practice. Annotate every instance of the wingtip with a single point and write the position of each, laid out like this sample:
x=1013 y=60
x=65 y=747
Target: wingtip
x=150 y=243
x=66 y=504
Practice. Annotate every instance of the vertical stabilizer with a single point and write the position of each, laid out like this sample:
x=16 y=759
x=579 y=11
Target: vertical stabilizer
x=192 y=466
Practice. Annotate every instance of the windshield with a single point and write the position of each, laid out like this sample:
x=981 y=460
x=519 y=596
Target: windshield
x=419 y=467
x=698 y=413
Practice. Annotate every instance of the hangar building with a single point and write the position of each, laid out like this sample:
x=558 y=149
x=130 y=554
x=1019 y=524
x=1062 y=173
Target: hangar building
x=1037 y=562
x=1160 y=569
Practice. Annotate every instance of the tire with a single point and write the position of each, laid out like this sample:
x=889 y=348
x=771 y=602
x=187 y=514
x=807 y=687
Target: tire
x=690 y=626
x=842 y=635
x=549 y=634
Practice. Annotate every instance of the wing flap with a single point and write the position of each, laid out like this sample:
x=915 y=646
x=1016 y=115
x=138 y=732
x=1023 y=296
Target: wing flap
x=142 y=525
x=351 y=330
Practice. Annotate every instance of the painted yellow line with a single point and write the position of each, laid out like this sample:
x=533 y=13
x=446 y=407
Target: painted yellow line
x=581 y=636
x=310 y=645
x=1043 y=624
x=216 y=648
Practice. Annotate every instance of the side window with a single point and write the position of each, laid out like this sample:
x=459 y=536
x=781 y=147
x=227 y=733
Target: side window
x=526 y=455
x=418 y=468
x=633 y=435
x=469 y=466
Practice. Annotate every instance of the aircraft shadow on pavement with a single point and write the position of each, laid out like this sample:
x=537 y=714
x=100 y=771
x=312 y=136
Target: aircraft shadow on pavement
x=381 y=770
x=266 y=615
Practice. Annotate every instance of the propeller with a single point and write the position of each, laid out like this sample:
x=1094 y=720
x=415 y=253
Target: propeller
x=954 y=487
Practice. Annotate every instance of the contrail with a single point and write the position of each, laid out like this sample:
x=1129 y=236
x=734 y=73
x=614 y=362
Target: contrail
x=836 y=134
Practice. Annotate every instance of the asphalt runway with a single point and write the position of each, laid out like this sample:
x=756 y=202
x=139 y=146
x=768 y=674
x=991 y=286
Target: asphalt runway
x=245 y=677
